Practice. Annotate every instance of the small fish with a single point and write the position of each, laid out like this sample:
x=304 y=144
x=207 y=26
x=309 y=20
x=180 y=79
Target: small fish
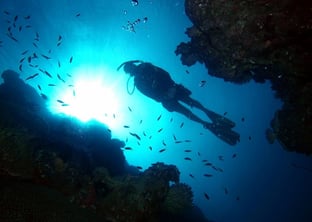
x=139 y=167
x=208 y=164
x=129 y=109
x=159 y=117
x=78 y=14
x=65 y=104
x=140 y=121
x=44 y=96
x=202 y=83
x=23 y=53
x=58 y=44
x=46 y=57
x=249 y=137
x=34 y=44
x=6 y=12
x=151 y=148
x=234 y=155
x=163 y=142
x=29 y=59
x=144 y=133
x=191 y=175
x=171 y=120
x=160 y=130
x=114 y=116
x=174 y=137
x=20 y=28
x=12 y=37
x=188 y=158
x=206 y=196
x=162 y=150
x=204 y=161
x=198 y=153
x=71 y=60
x=60 y=78
x=20 y=67
x=187 y=151
x=182 y=124
x=39 y=87
x=59 y=38
x=126 y=126
x=74 y=92
x=135 y=135
x=224 y=114
x=22 y=60
x=27 y=17
x=207 y=175
x=128 y=148
x=243 y=119
x=51 y=84
x=47 y=73
x=68 y=75
x=32 y=76
x=187 y=72
x=70 y=85
x=221 y=158
x=187 y=141
x=35 y=56
x=178 y=141
x=59 y=63
x=60 y=101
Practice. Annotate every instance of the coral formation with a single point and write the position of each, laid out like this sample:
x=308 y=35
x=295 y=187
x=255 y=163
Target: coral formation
x=260 y=40
x=58 y=169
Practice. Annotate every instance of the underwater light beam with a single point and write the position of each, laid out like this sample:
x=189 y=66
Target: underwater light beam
x=94 y=96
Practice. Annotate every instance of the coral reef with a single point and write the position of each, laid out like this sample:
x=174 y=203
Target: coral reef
x=260 y=40
x=54 y=168
x=179 y=198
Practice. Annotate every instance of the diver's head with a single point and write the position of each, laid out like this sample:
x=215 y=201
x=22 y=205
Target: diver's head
x=130 y=68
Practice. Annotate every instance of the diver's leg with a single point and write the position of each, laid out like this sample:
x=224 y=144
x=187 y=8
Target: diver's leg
x=216 y=118
x=177 y=107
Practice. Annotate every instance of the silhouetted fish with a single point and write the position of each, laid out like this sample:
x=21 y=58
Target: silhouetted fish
x=160 y=130
x=32 y=76
x=47 y=73
x=187 y=151
x=162 y=150
x=206 y=196
x=23 y=53
x=126 y=126
x=129 y=109
x=191 y=175
x=71 y=60
x=234 y=155
x=128 y=148
x=60 y=101
x=159 y=117
x=51 y=84
x=46 y=57
x=182 y=124
x=135 y=135
x=207 y=175
x=39 y=87
x=188 y=158
x=44 y=96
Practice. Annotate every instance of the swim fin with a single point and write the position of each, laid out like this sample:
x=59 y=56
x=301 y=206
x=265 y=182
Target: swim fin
x=224 y=133
x=219 y=119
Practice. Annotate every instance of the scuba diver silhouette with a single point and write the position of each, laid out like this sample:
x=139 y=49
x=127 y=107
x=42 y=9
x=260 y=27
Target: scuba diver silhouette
x=157 y=84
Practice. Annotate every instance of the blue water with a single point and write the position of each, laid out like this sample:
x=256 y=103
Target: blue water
x=261 y=183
